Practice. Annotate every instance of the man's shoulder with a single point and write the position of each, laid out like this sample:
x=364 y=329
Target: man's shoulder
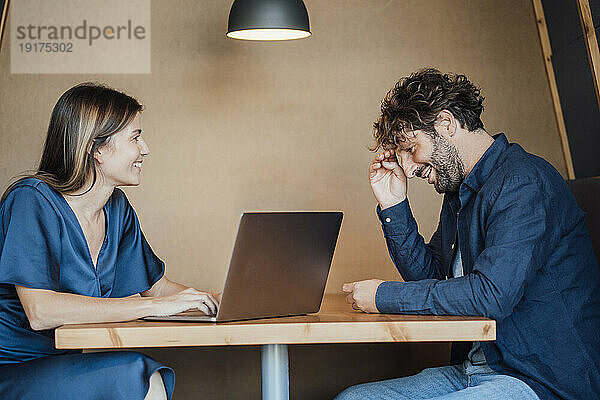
x=519 y=167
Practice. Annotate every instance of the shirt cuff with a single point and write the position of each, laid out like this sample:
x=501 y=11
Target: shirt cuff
x=387 y=296
x=396 y=220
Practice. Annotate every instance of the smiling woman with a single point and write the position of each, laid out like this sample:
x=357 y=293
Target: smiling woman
x=83 y=122
x=123 y=155
x=72 y=251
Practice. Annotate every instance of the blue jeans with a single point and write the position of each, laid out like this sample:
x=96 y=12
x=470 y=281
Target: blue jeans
x=464 y=382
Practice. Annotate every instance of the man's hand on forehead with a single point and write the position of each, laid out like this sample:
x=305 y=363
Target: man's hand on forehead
x=387 y=178
x=386 y=155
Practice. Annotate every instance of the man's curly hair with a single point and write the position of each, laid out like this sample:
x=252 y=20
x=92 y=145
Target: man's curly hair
x=415 y=102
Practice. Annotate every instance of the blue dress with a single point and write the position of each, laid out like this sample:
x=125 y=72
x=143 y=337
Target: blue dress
x=42 y=246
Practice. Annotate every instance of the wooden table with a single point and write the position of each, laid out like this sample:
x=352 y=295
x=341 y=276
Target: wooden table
x=336 y=322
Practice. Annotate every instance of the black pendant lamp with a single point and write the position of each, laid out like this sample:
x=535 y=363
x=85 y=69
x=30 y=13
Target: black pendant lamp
x=268 y=20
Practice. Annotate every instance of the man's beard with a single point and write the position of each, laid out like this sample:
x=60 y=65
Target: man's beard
x=449 y=168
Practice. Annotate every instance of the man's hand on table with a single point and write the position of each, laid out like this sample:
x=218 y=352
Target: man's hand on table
x=361 y=294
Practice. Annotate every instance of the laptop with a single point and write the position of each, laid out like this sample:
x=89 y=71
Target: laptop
x=279 y=267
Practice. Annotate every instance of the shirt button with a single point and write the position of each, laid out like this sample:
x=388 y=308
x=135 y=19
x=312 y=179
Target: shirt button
x=452 y=246
x=388 y=219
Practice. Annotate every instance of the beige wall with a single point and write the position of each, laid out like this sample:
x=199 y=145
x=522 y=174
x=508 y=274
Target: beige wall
x=237 y=126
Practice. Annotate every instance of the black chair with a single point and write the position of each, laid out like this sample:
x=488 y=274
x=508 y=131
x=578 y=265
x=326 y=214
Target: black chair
x=587 y=194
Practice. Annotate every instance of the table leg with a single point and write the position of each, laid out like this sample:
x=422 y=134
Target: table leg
x=275 y=372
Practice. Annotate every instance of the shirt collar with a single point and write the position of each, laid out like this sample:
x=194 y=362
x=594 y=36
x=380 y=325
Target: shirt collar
x=484 y=168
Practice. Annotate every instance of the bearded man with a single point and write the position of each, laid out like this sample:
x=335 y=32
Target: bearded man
x=511 y=245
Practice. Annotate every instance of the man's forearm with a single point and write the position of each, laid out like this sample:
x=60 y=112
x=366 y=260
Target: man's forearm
x=413 y=258
x=470 y=295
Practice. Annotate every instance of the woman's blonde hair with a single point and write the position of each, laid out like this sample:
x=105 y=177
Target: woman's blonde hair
x=84 y=118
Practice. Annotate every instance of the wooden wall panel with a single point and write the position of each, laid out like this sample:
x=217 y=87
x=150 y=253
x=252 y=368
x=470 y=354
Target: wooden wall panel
x=575 y=79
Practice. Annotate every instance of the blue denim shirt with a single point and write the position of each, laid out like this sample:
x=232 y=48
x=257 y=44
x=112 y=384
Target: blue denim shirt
x=528 y=264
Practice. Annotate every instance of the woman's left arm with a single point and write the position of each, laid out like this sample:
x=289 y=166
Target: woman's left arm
x=164 y=287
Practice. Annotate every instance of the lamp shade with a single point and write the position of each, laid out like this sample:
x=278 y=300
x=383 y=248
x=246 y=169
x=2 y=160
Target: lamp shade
x=268 y=20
